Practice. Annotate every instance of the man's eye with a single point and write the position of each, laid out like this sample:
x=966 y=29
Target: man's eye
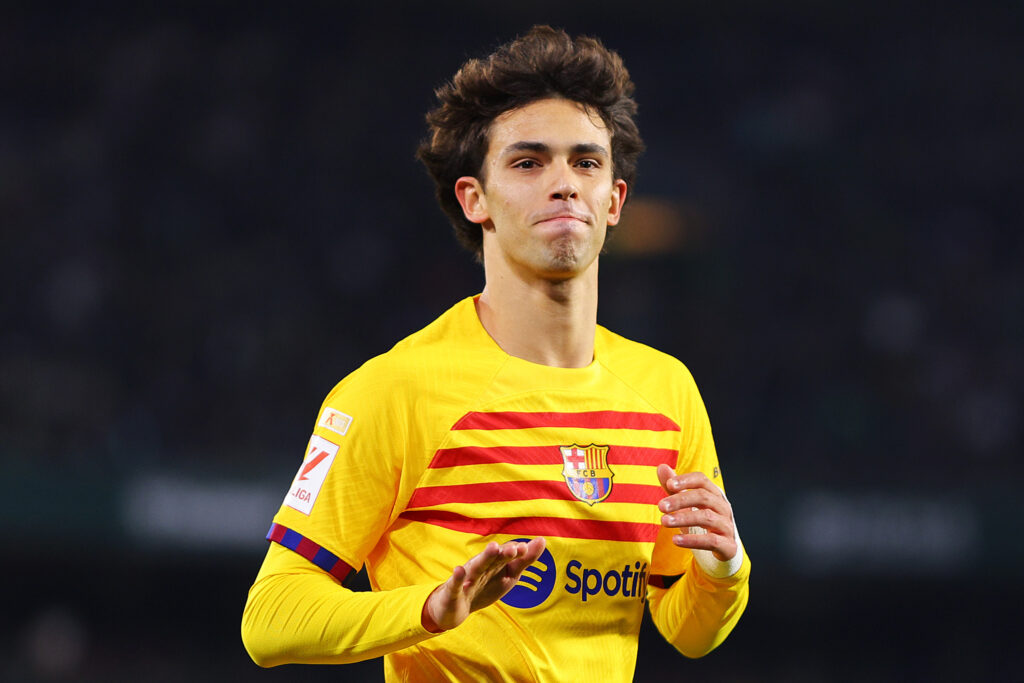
x=526 y=163
x=587 y=163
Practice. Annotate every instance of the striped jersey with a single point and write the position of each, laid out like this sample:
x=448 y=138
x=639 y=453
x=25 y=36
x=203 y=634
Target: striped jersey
x=425 y=454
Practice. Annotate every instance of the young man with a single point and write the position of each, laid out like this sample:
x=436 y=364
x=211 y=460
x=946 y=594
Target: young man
x=567 y=474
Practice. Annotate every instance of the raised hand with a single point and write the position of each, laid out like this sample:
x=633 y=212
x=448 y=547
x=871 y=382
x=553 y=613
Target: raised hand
x=693 y=500
x=483 y=580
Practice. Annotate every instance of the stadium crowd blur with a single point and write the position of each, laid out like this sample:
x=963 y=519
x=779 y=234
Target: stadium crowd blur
x=211 y=216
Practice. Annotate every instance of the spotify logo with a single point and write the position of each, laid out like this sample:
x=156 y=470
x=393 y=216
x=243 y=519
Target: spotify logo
x=535 y=584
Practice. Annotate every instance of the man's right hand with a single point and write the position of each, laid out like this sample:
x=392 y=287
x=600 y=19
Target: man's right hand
x=480 y=582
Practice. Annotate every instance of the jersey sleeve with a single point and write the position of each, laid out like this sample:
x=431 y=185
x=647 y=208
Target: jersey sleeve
x=296 y=613
x=696 y=454
x=343 y=494
x=339 y=504
x=692 y=610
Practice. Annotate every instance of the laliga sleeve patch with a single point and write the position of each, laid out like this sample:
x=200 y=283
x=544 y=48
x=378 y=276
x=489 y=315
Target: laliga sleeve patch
x=335 y=420
x=310 y=479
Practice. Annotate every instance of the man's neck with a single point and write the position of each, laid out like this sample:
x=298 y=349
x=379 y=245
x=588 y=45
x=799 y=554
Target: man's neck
x=549 y=322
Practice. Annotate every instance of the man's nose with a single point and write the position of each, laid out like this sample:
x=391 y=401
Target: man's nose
x=564 y=185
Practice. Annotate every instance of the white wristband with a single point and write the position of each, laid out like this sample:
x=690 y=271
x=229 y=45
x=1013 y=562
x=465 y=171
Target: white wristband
x=711 y=565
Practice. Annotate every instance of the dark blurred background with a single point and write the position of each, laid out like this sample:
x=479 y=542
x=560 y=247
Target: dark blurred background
x=210 y=214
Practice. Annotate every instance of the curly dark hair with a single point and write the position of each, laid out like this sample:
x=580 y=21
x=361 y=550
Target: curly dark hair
x=544 y=63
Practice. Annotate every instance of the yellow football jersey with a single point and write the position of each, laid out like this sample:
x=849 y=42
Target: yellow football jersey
x=428 y=452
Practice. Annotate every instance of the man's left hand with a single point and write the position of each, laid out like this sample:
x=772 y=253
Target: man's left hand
x=693 y=500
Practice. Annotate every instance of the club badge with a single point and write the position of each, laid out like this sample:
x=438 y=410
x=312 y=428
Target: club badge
x=586 y=472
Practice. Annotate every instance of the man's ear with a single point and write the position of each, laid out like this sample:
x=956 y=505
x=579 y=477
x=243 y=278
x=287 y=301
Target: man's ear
x=618 y=198
x=470 y=194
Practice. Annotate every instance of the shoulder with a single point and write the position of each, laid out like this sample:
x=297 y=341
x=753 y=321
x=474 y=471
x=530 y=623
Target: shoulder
x=662 y=379
x=431 y=360
x=631 y=358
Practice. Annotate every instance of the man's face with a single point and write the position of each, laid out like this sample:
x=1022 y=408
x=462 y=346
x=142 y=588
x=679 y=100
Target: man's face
x=549 y=193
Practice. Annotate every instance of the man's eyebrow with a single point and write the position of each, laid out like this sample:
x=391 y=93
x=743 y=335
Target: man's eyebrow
x=589 y=148
x=527 y=146
x=544 y=148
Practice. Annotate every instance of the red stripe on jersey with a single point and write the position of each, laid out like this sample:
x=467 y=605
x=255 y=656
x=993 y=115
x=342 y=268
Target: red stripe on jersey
x=479 y=455
x=546 y=455
x=504 y=491
x=538 y=526
x=598 y=419
x=488 y=492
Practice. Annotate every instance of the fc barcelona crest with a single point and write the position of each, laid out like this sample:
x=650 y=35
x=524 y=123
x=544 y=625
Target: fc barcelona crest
x=586 y=472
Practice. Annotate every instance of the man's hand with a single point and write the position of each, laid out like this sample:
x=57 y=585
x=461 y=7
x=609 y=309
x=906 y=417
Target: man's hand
x=480 y=582
x=694 y=501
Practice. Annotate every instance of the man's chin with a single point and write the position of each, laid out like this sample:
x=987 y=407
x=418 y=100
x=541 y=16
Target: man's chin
x=564 y=255
x=567 y=261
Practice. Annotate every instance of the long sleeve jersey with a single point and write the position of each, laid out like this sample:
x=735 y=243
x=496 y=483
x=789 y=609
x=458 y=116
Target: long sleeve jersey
x=426 y=453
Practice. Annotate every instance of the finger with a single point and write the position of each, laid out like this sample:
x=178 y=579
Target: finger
x=532 y=549
x=456 y=580
x=707 y=519
x=696 y=498
x=519 y=556
x=665 y=473
x=529 y=554
x=491 y=553
x=446 y=595
x=495 y=558
x=723 y=547
x=695 y=480
x=672 y=482
x=488 y=561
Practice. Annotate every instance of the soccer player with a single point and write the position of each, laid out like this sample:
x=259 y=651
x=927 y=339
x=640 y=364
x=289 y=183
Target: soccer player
x=518 y=481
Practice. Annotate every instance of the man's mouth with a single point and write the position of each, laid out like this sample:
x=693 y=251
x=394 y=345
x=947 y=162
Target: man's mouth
x=564 y=217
